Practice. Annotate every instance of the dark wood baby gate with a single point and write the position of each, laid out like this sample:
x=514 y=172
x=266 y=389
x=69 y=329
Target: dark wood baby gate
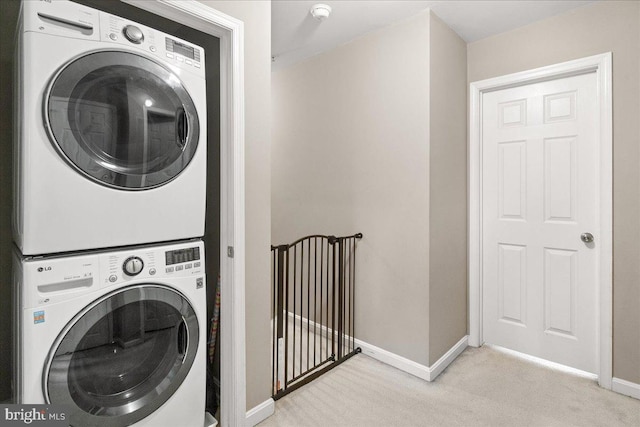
x=313 y=305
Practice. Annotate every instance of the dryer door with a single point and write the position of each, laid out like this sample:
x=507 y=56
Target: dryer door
x=122 y=119
x=123 y=356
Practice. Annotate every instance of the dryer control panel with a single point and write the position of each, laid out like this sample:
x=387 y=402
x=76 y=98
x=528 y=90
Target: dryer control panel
x=72 y=20
x=166 y=48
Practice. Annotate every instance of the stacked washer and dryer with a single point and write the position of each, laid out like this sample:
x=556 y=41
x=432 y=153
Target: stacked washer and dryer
x=109 y=209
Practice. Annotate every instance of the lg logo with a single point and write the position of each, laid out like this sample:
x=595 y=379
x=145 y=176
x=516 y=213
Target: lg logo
x=41 y=269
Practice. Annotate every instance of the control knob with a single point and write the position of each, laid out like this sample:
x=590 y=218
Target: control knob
x=133 y=34
x=133 y=266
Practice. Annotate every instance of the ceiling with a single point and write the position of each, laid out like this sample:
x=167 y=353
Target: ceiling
x=296 y=35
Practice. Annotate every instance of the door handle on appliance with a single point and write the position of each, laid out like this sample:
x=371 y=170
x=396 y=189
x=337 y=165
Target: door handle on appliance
x=586 y=237
x=182 y=127
x=183 y=338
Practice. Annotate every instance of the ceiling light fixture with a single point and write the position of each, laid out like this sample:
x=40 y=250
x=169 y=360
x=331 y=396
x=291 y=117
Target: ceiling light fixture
x=320 y=11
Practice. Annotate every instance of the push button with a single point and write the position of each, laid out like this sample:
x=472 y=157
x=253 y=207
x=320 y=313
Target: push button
x=152 y=271
x=169 y=55
x=196 y=264
x=113 y=278
x=113 y=36
x=169 y=269
x=179 y=267
x=187 y=266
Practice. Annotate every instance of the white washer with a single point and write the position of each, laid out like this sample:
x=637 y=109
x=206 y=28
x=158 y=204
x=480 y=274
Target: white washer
x=110 y=145
x=119 y=337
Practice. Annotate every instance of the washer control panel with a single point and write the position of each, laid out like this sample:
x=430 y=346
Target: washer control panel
x=184 y=259
x=52 y=279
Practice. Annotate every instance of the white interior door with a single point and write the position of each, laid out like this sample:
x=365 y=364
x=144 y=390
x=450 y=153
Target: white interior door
x=539 y=195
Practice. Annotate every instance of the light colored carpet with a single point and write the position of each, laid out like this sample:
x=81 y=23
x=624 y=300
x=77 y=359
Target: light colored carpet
x=483 y=387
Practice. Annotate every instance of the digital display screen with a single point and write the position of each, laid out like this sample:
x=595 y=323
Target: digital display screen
x=182 y=255
x=182 y=49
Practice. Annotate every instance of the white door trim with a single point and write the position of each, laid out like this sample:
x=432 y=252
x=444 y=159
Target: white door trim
x=601 y=65
x=230 y=31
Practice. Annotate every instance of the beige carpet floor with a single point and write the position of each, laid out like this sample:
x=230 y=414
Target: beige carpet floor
x=482 y=387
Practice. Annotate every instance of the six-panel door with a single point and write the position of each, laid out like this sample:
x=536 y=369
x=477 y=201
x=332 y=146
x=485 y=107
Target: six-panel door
x=539 y=194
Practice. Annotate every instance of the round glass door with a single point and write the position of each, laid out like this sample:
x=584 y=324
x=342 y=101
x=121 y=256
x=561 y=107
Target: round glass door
x=124 y=356
x=122 y=120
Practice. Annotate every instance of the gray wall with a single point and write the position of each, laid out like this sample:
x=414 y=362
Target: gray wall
x=605 y=26
x=448 y=190
x=8 y=19
x=351 y=154
x=256 y=16
x=371 y=137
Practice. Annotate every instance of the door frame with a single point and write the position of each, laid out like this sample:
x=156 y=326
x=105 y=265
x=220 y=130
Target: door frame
x=601 y=65
x=230 y=31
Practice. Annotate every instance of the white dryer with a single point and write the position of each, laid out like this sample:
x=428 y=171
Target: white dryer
x=110 y=145
x=118 y=337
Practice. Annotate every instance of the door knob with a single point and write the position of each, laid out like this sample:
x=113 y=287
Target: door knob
x=586 y=237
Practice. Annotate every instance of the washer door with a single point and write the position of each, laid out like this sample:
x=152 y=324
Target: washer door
x=122 y=119
x=122 y=357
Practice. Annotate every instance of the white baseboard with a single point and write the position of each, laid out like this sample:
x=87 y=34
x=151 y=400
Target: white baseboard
x=317 y=327
x=427 y=373
x=421 y=371
x=446 y=359
x=625 y=387
x=402 y=363
x=260 y=413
